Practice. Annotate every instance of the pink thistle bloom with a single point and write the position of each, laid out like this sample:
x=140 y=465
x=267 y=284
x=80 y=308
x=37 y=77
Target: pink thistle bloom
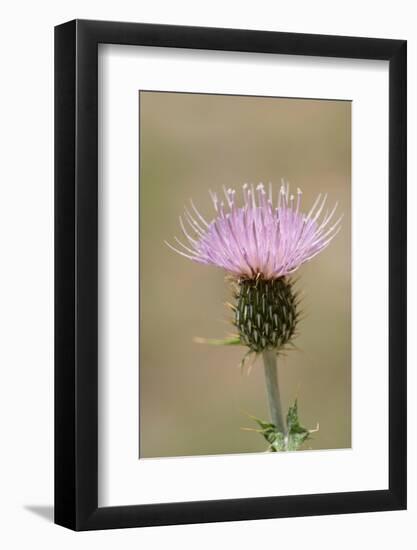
x=258 y=239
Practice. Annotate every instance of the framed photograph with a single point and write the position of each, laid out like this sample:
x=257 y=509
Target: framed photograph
x=230 y=247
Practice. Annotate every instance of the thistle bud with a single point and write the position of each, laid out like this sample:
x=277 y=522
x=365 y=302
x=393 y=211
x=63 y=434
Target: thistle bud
x=265 y=313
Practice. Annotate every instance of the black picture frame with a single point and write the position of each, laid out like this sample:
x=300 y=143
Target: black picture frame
x=76 y=272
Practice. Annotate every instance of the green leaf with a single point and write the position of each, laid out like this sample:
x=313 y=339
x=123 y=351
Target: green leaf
x=232 y=341
x=294 y=437
x=296 y=433
x=278 y=444
x=275 y=439
x=293 y=423
x=296 y=440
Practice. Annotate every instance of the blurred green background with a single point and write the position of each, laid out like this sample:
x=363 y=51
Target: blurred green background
x=193 y=397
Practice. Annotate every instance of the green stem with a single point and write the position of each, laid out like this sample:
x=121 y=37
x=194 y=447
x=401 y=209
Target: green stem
x=272 y=389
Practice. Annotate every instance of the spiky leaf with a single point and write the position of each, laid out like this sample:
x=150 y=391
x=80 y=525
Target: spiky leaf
x=294 y=437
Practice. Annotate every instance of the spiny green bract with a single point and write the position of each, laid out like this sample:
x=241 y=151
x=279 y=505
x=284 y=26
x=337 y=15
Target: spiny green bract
x=266 y=313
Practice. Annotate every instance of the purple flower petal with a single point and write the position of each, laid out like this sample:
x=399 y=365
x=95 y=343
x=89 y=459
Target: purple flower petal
x=258 y=239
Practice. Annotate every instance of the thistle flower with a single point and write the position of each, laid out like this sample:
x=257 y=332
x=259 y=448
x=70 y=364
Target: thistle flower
x=258 y=239
x=261 y=244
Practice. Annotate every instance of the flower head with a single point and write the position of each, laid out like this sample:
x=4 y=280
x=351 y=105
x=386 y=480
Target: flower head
x=262 y=237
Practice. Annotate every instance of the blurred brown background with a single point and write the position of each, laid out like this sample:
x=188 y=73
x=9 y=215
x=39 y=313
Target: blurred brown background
x=193 y=397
